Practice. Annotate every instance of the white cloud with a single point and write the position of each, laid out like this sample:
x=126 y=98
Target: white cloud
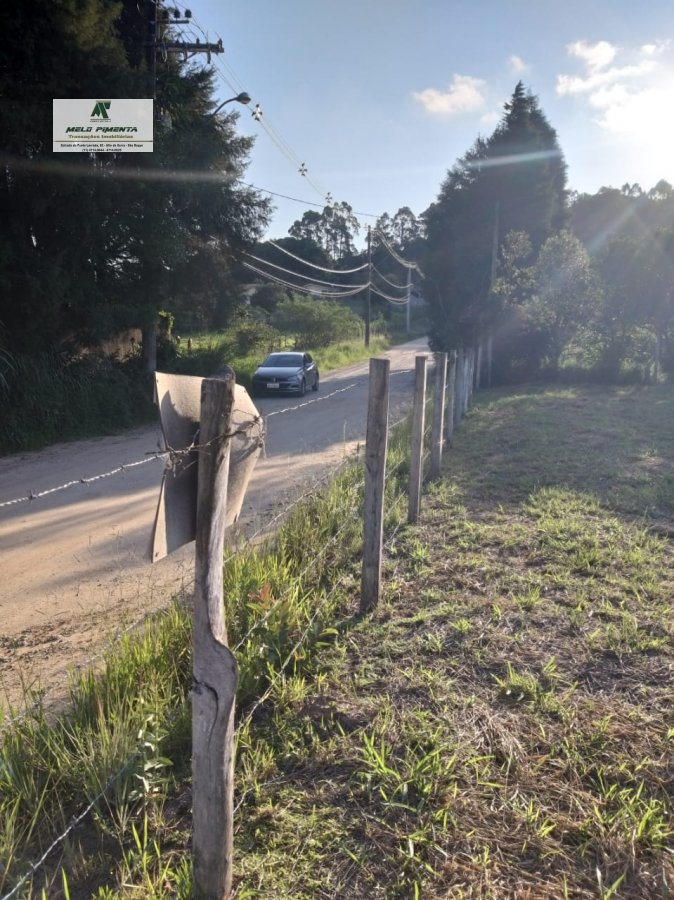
x=595 y=56
x=656 y=48
x=575 y=84
x=491 y=119
x=465 y=94
x=632 y=98
x=517 y=65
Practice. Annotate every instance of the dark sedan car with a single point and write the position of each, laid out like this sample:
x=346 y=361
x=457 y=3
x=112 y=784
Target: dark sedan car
x=285 y=373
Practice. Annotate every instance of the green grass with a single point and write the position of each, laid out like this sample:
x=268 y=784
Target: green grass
x=500 y=726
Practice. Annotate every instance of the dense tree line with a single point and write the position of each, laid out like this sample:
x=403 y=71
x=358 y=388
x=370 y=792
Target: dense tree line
x=94 y=243
x=552 y=278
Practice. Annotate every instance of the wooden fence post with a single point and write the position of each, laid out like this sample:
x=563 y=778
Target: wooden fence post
x=376 y=443
x=451 y=397
x=438 y=433
x=478 y=366
x=460 y=375
x=417 y=450
x=214 y=666
x=466 y=381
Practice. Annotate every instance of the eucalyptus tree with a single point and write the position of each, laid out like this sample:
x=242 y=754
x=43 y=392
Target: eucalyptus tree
x=334 y=229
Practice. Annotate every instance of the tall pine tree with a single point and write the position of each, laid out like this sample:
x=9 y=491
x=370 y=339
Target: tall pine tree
x=514 y=180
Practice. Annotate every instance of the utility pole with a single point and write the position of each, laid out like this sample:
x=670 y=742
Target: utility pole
x=492 y=280
x=368 y=308
x=409 y=298
x=160 y=16
x=158 y=20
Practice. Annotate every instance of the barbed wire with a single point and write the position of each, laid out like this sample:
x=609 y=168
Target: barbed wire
x=186 y=580
x=37 y=495
x=173 y=453
x=316 y=486
x=296 y=646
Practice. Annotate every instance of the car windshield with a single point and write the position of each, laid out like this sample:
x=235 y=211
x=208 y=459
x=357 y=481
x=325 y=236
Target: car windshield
x=284 y=360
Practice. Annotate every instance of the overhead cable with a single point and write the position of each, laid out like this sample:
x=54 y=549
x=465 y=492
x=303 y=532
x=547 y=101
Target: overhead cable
x=223 y=68
x=306 y=290
x=232 y=80
x=299 y=200
x=314 y=265
x=235 y=84
x=394 y=254
x=400 y=287
x=397 y=301
x=295 y=274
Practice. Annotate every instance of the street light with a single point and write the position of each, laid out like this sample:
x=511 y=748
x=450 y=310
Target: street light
x=243 y=97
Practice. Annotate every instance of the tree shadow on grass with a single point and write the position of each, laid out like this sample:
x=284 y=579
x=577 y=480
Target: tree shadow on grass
x=615 y=444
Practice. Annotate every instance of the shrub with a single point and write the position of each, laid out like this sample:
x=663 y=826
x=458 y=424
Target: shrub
x=316 y=323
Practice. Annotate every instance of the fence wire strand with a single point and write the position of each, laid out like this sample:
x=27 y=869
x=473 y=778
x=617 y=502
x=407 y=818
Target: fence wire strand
x=37 y=495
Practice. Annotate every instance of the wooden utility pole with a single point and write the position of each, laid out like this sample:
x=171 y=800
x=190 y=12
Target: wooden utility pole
x=368 y=289
x=376 y=444
x=214 y=666
x=409 y=300
x=158 y=20
x=417 y=450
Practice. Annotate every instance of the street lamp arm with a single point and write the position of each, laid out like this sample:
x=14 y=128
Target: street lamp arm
x=240 y=98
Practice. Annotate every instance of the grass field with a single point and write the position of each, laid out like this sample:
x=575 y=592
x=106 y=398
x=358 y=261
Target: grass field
x=500 y=727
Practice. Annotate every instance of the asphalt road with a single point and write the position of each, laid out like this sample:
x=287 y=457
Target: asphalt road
x=74 y=563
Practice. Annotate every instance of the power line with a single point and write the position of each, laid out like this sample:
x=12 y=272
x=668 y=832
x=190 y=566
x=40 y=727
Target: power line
x=295 y=274
x=393 y=284
x=314 y=265
x=305 y=202
x=396 y=301
x=231 y=79
x=305 y=290
x=394 y=254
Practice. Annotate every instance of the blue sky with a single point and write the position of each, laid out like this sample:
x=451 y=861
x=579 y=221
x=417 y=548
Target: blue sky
x=378 y=98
